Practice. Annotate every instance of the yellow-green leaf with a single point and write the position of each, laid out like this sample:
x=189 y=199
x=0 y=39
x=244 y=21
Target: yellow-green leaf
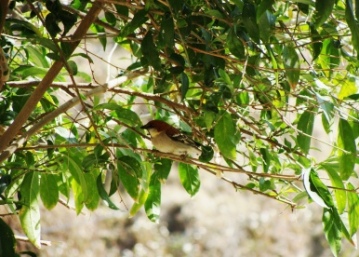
x=30 y=211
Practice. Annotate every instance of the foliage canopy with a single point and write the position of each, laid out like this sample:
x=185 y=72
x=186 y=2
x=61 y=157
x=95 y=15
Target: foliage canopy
x=252 y=80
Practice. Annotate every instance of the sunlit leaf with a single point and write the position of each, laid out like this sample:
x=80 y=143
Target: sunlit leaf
x=189 y=178
x=30 y=211
x=30 y=71
x=353 y=209
x=332 y=231
x=162 y=169
x=316 y=189
x=348 y=88
x=327 y=107
x=329 y=57
x=49 y=191
x=79 y=183
x=305 y=125
x=227 y=144
x=93 y=196
x=347 y=149
x=153 y=202
x=339 y=192
x=37 y=56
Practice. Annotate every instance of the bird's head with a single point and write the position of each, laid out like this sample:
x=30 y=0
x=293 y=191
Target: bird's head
x=156 y=127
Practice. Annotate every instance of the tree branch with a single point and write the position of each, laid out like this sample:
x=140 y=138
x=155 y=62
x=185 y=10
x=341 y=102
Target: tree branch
x=38 y=93
x=3 y=12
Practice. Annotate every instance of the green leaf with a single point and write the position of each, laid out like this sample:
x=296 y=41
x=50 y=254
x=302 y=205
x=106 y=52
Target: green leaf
x=316 y=189
x=291 y=65
x=150 y=51
x=103 y=194
x=326 y=106
x=153 y=202
x=24 y=26
x=125 y=115
x=51 y=24
x=234 y=44
x=167 y=32
x=138 y=19
x=111 y=18
x=100 y=30
x=323 y=9
x=347 y=149
x=5 y=181
x=329 y=57
x=316 y=41
x=249 y=20
x=353 y=209
x=266 y=22
x=78 y=195
x=207 y=153
x=266 y=157
x=49 y=191
x=225 y=136
x=79 y=183
x=30 y=211
x=332 y=231
x=37 y=57
x=189 y=178
x=93 y=197
x=73 y=67
x=265 y=184
x=122 y=10
x=339 y=192
x=141 y=199
x=130 y=173
x=30 y=71
x=352 y=23
x=162 y=169
x=7 y=240
x=68 y=20
x=45 y=42
x=348 y=88
x=185 y=85
x=305 y=125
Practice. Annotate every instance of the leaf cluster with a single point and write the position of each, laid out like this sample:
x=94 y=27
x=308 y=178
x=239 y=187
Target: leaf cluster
x=252 y=80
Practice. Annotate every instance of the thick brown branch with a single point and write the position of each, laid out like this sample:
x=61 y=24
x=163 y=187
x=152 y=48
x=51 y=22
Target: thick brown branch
x=36 y=96
x=3 y=12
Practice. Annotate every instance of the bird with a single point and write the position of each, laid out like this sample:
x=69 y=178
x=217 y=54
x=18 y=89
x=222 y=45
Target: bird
x=168 y=139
